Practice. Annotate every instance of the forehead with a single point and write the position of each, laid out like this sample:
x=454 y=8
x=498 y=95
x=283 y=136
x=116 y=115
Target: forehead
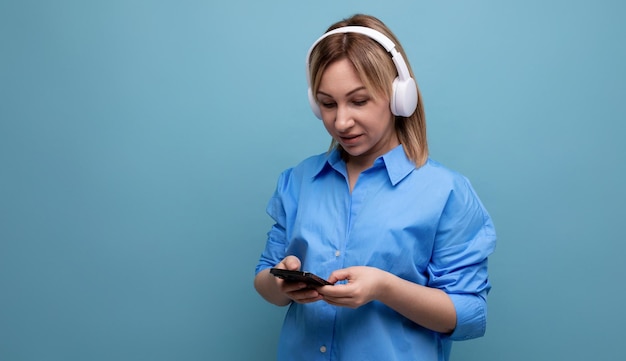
x=340 y=76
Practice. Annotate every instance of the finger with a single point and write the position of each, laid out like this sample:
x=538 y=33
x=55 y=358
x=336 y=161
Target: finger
x=337 y=290
x=342 y=301
x=310 y=300
x=305 y=295
x=292 y=263
x=338 y=299
x=290 y=287
x=339 y=275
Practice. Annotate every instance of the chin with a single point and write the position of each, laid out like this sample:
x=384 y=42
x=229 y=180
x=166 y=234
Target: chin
x=353 y=152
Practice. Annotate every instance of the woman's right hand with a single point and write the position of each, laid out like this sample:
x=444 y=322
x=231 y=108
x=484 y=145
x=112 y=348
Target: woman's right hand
x=296 y=291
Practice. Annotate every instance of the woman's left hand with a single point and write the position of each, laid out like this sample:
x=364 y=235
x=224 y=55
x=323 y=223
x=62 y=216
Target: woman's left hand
x=363 y=284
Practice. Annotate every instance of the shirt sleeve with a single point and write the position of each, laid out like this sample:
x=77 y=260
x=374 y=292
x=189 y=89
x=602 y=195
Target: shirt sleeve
x=464 y=240
x=275 y=245
x=472 y=321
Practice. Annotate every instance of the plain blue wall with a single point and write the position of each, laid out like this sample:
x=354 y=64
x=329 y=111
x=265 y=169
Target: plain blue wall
x=141 y=140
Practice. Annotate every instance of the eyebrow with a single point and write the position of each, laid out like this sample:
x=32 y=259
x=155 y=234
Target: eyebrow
x=349 y=93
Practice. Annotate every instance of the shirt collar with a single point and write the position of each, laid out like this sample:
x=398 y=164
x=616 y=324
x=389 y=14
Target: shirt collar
x=395 y=162
x=330 y=161
x=398 y=165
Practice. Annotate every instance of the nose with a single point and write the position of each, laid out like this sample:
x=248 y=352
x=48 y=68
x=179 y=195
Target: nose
x=343 y=119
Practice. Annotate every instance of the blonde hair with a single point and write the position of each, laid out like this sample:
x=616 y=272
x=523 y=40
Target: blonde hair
x=377 y=71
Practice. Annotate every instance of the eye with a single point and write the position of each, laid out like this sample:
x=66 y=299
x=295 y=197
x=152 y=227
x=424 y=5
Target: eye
x=328 y=105
x=360 y=98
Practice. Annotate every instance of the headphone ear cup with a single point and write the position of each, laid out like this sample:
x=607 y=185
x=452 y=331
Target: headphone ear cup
x=314 y=106
x=404 y=97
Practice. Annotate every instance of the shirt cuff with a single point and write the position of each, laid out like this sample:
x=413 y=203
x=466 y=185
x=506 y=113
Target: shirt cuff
x=471 y=316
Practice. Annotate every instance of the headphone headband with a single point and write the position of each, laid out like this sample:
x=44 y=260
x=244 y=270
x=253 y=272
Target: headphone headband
x=404 y=96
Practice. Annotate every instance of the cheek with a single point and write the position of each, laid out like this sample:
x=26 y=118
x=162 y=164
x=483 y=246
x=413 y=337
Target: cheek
x=383 y=129
x=327 y=124
x=329 y=129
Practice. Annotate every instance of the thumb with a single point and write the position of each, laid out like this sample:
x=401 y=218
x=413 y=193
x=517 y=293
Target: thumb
x=292 y=263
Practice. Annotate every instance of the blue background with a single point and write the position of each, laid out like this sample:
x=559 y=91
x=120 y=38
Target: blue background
x=141 y=140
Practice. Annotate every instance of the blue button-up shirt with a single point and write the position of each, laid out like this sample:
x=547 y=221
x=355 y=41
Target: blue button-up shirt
x=425 y=225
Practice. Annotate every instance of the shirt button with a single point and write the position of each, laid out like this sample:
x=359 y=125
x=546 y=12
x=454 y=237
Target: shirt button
x=323 y=349
x=337 y=253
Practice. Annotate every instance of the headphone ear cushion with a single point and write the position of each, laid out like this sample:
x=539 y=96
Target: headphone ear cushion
x=404 y=97
x=314 y=106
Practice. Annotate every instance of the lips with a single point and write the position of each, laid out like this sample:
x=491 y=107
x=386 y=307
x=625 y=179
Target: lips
x=350 y=139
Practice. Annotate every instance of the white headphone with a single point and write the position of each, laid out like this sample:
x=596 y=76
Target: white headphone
x=404 y=95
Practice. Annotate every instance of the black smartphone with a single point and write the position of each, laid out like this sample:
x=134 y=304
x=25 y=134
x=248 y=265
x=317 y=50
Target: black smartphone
x=299 y=276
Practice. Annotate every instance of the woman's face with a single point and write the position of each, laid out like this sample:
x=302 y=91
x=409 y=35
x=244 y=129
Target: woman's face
x=364 y=126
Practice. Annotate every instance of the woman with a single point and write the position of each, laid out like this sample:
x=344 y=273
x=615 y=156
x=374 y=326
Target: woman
x=403 y=240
